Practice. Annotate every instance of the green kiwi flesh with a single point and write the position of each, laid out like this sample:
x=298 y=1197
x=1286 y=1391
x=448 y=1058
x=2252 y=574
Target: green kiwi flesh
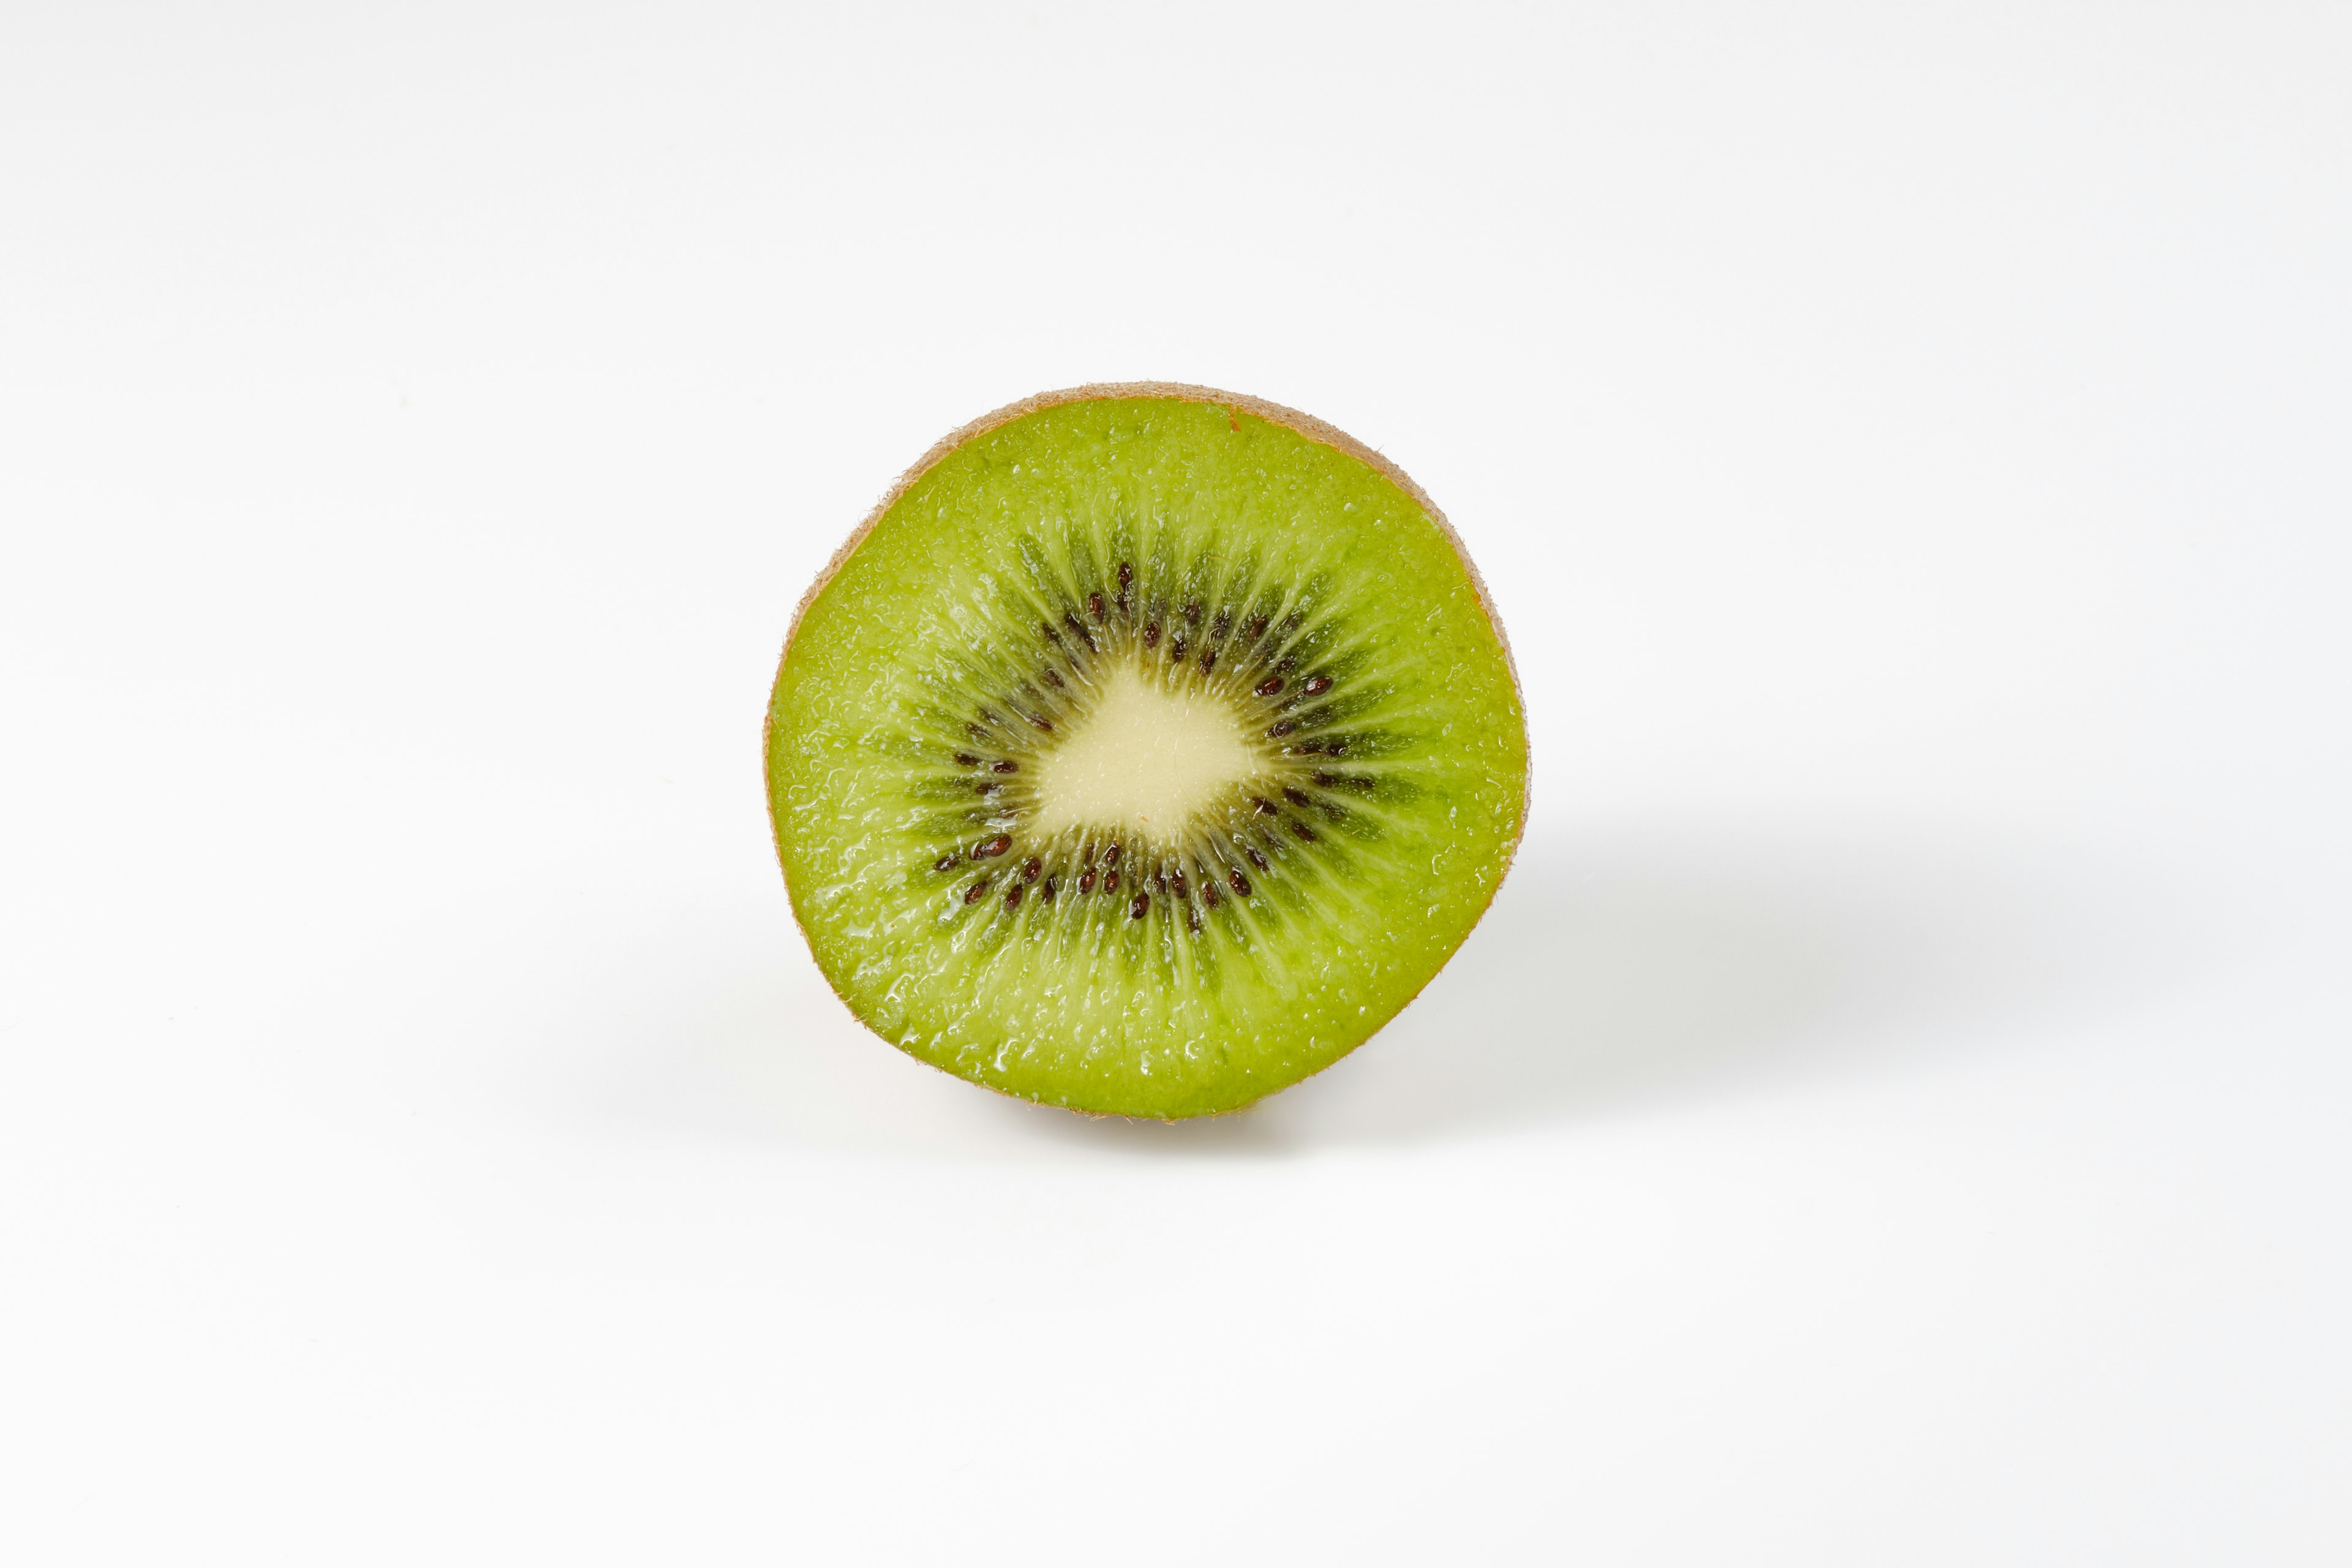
x=1145 y=751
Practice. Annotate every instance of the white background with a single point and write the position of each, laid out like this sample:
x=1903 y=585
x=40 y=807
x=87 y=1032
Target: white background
x=1896 y=1112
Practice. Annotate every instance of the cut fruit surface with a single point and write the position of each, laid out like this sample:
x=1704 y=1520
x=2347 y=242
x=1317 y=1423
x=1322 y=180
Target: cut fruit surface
x=1145 y=751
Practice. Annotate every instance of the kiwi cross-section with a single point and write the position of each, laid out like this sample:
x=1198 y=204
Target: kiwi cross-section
x=1143 y=752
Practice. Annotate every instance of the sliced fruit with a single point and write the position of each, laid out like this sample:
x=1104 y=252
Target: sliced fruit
x=1143 y=752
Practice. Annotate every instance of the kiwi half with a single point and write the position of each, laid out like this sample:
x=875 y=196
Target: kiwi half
x=1144 y=751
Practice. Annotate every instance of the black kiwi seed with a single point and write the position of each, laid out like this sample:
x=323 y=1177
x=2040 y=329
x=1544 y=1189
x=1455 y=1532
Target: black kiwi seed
x=1126 y=574
x=1208 y=661
x=1013 y=899
x=1007 y=766
x=1255 y=859
x=1042 y=723
x=1295 y=797
x=1110 y=881
x=1079 y=626
x=1151 y=634
x=1209 y=895
x=1110 y=856
x=1095 y=606
x=1142 y=903
x=966 y=760
x=1277 y=731
x=987 y=786
x=1255 y=629
x=1264 y=806
x=1176 y=650
x=1053 y=678
x=946 y=861
x=1177 y=882
x=1240 y=884
x=1318 y=684
x=1192 y=612
x=989 y=848
x=976 y=892
x=1269 y=685
x=1086 y=881
x=1218 y=628
x=1305 y=834
x=1029 y=870
x=1047 y=891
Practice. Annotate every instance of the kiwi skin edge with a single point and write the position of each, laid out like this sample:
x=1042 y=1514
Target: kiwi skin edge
x=1305 y=425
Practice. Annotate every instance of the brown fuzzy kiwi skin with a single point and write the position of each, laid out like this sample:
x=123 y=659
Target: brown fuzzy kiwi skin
x=1306 y=424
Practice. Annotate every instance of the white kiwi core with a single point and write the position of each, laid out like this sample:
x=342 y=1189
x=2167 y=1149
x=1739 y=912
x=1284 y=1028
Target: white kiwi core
x=1146 y=756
